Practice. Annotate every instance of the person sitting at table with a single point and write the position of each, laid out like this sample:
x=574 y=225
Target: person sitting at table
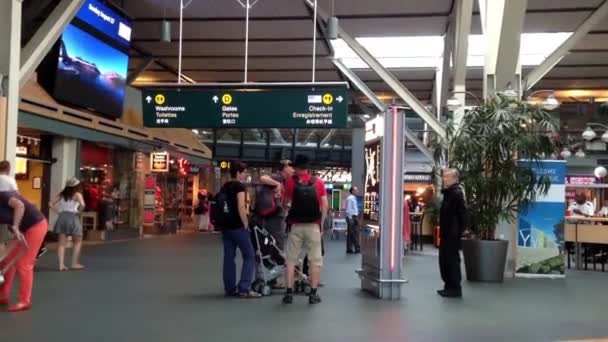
x=581 y=207
x=604 y=211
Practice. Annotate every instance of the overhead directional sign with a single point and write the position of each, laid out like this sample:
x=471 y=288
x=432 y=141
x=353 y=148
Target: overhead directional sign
x=247 y=106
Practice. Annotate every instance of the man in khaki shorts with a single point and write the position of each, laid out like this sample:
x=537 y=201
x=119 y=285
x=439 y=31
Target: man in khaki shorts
x=307 y=198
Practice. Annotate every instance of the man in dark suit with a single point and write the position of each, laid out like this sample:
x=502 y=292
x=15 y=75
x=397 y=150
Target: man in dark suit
x=452 y=224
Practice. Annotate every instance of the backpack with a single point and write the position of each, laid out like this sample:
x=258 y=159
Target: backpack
x=265 y=201
x=305 y=205
x=221 y=213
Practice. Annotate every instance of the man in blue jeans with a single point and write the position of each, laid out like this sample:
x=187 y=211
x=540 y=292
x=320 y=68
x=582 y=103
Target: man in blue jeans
x=231 y=216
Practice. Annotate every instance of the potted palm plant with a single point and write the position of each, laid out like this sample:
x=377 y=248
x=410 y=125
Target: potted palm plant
x=487 y=148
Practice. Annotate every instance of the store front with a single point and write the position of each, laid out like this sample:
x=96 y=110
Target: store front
x=109 y=185
x=32 y=168
x=174 y=180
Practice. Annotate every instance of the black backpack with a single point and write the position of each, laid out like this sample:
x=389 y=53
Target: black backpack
x=265 y=201
x=305 y=205
x=220 y=210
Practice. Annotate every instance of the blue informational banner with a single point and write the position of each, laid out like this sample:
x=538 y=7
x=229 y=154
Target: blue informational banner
x=540 y=230
x=105 y=20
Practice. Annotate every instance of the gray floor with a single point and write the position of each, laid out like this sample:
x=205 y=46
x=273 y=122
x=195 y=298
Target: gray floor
x=169 y=289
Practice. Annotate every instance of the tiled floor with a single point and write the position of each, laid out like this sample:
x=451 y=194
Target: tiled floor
x=169 y=289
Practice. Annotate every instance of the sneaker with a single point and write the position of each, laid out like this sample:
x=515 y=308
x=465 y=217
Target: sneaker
x=287 y=299
x=41 y=252
x=314 y=299
x=450 y=293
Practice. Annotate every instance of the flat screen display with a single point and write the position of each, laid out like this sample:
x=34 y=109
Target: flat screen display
x=90 y=73
x=105 y=20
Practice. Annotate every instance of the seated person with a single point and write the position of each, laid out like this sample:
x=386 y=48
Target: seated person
x=581 y=207
x=604 y=211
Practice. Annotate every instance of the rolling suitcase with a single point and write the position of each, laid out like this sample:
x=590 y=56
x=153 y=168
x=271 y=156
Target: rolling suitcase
x=11 y=262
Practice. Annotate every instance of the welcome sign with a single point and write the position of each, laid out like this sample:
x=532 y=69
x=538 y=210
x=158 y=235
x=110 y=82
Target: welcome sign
x=540 y=230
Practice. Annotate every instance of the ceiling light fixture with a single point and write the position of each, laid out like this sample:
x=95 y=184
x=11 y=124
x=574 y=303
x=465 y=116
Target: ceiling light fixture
x=600 y=172
x=165 y=31
x=453 y=103
x=165 y=27
x=589 y=134
x=551 y=103
x=332 y=24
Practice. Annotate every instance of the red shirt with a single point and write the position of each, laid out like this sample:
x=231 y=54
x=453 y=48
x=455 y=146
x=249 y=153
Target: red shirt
x=290 y=185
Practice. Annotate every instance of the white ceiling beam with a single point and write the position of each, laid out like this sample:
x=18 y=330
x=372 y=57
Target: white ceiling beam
x=462 y=28
x=504 y=25
x=42 y=42
x=388 y=77
x=541 y=70
x=359 y=84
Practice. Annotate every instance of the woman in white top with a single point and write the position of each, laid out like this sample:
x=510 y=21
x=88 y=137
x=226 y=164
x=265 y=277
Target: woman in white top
x=68 y=204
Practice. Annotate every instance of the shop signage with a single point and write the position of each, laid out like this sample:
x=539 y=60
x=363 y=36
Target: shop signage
x=374 y=129
x=581 y=180
x=224 y=165
x=22 y=150
x=159 y=162
x=149 y=199
x=420 y=178
x=311 y=106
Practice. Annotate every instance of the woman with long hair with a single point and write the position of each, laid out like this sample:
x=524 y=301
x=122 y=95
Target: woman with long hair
x=68 y=205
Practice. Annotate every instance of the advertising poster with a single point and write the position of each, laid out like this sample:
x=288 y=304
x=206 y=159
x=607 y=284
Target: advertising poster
x=540 y=230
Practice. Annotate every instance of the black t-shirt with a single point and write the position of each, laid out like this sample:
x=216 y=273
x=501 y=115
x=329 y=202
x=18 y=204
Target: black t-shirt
x=31 y=215
x=231 y=189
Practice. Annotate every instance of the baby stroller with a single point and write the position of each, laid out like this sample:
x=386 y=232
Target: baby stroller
x=271 y=264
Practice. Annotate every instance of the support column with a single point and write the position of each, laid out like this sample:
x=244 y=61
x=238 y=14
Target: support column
x=10 y=62
x=67 y=153
x=358 y=158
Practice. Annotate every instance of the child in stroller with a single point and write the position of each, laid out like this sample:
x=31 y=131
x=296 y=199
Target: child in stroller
x=271 y=264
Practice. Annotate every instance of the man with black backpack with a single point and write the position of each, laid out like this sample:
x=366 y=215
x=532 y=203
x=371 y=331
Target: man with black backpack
x=230 y=215
x=307 y=198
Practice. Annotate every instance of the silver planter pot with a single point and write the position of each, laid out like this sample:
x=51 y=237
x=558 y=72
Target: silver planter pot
x=485 y=260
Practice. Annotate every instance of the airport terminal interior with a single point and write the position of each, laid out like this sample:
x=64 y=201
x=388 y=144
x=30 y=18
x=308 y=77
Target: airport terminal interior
x=442 y=163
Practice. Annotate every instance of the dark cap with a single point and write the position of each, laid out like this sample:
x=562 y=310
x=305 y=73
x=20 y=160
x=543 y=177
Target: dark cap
x=302 y=161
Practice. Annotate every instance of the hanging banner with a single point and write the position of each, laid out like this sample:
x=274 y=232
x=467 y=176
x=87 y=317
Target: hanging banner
x=540 y=230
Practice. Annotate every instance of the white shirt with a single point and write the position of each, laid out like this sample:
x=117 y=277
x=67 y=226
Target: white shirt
x=352 y=209
x=585 y=208
x=8 y=183
x=604 y=211
x=69 y=206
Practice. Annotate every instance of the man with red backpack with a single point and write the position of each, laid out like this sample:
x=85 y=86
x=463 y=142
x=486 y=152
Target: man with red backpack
x=306 y=197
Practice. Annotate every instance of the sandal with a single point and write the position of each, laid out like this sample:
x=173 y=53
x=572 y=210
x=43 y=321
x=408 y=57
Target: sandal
x=250 y=294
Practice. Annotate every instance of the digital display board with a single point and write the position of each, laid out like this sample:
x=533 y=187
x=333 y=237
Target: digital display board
x=106 y=20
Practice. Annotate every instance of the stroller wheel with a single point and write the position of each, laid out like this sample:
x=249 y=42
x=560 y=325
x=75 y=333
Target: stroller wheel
x=266 y=290
x=258 y=286
x=307 y=289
